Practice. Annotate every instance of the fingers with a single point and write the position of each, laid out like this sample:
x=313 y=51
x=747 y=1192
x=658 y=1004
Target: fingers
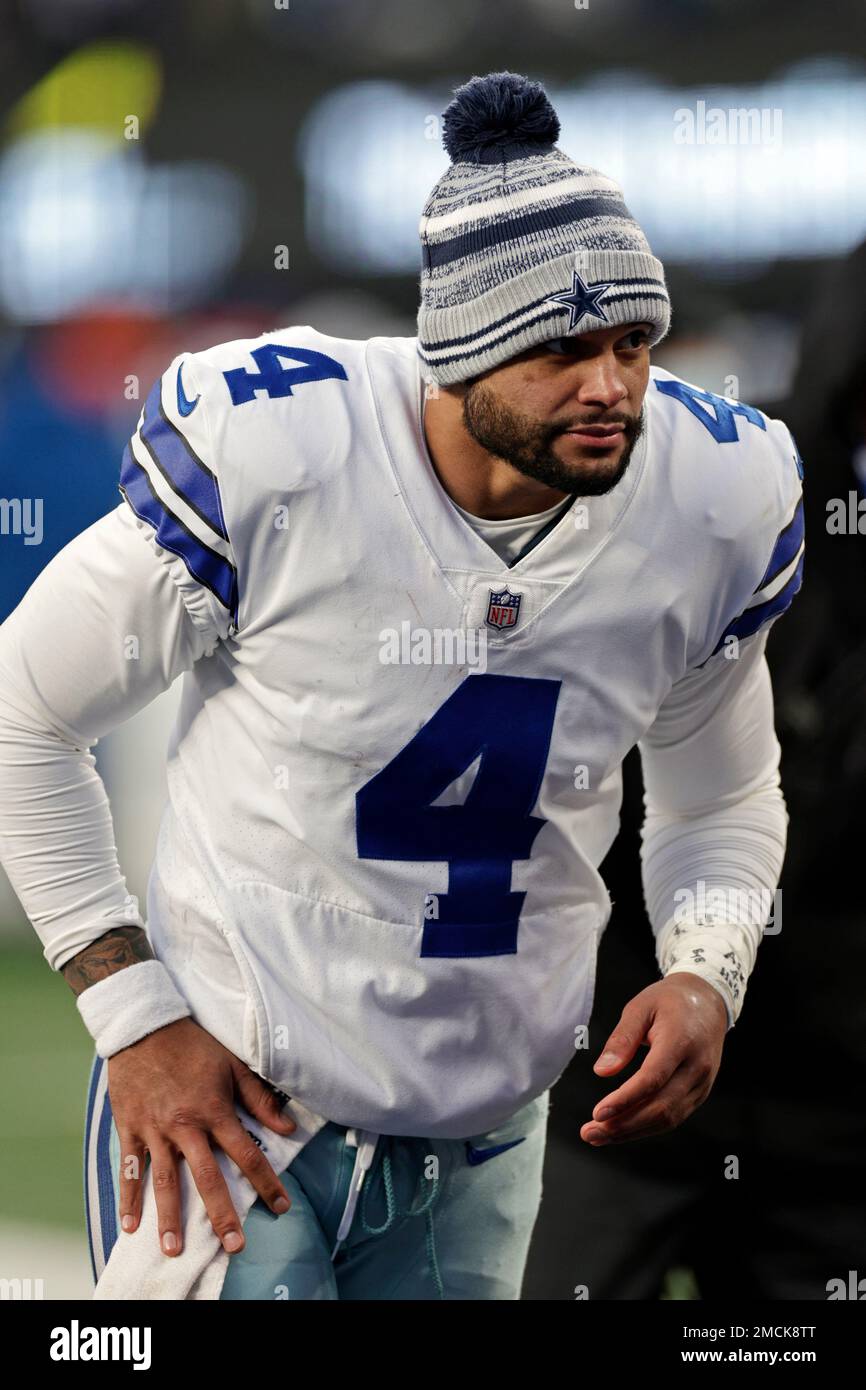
x=166 y=1190
x=660 y=1064
x=172 y=1095
x=649 y=1132
x=213 y=1190
x=239 y=1144
x=659 y=1115
x=677 y=1073
x=626 y=1037
x=261 y=1101
x=193 y=1146
x=132 y=1162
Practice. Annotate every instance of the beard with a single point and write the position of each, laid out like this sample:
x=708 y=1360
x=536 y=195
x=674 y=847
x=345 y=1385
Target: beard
x=528 y=445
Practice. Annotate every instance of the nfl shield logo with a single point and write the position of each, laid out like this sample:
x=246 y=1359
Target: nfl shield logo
x=503 y=610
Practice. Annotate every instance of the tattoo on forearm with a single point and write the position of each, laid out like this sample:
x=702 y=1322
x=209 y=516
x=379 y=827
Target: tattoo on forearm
x=118 y=948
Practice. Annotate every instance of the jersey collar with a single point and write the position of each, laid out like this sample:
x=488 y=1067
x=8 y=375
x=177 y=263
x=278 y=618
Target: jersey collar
x=395 y=374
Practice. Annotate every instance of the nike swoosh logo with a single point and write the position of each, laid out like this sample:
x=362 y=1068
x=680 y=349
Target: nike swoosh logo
x=184 y=404
x=476 y=1156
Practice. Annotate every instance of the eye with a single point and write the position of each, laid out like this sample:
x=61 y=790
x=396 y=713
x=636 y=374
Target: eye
x=564 y=346
x=638 y=338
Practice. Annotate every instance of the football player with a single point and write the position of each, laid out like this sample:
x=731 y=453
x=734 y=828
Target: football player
x=376 y=886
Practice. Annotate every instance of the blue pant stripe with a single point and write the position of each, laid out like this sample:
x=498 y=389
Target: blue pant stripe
x=99 y=1192
x=88 y=1123
x=108 y=1218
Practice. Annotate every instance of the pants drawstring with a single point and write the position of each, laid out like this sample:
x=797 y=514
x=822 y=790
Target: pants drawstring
x=425 y=1209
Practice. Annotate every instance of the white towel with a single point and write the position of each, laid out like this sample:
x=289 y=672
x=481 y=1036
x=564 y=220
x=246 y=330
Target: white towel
x=137 y=1268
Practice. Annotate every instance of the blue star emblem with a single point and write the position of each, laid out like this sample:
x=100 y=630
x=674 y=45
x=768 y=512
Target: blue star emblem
x=582 y=299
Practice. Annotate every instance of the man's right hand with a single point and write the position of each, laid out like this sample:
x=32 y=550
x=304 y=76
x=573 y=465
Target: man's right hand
x=172 y=1094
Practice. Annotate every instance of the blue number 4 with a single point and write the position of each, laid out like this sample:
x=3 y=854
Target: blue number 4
x=722 y=425
x=508 y=721
x=275 y=378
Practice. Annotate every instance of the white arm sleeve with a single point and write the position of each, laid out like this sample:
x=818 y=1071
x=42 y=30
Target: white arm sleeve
x=101 y=633
x=715 y=821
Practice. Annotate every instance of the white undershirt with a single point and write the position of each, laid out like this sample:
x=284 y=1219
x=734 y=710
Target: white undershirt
x=510 y=536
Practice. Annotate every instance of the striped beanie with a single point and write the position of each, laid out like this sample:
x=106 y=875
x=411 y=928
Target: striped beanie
x=519 y=244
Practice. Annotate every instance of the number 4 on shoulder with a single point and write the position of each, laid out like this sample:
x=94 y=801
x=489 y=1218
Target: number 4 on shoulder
x=722 y=422
x=275 y=378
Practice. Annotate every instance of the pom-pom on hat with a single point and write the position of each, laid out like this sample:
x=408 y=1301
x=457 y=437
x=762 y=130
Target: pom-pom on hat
x=503 y=116
x=520 y=244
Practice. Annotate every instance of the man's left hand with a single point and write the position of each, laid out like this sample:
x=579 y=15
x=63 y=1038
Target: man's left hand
x=683 y=1021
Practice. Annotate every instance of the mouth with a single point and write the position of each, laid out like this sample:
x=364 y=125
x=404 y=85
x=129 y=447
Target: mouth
x=598 y=436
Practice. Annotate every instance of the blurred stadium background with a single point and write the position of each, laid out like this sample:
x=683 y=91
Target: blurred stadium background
x=174 y=173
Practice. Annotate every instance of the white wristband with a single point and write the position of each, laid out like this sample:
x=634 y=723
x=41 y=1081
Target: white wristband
x=128 y=1005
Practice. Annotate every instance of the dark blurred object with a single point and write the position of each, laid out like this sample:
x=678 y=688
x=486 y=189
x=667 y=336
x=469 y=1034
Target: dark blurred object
x=818 y=655
x=789 y=1098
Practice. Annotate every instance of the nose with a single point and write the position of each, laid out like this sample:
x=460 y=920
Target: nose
x=601 y=382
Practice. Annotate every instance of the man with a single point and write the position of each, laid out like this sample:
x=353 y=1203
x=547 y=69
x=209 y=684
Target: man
x=419 y=631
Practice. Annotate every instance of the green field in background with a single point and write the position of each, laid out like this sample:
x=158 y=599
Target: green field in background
x=45 y=1057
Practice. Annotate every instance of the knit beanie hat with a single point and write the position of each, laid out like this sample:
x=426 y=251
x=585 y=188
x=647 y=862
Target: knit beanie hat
x=519 y=243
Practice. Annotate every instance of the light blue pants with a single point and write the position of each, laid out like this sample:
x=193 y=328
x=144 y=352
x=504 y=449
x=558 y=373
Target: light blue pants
x=437 y=1218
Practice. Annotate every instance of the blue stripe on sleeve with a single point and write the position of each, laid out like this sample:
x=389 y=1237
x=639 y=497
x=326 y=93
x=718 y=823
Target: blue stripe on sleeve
x=179 y=463
x=754 y=618
x=210 y=569
x=786 y=547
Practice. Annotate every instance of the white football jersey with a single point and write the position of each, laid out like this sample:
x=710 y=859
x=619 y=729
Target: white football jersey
x=395 y=775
